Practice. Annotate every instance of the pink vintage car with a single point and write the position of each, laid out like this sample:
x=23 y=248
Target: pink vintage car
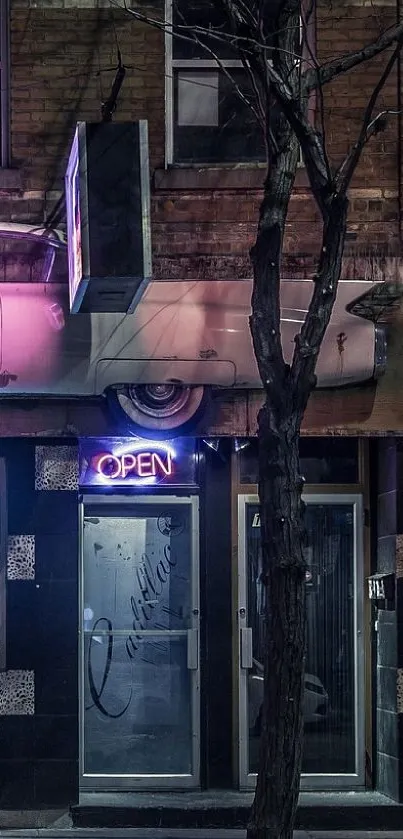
x=157 y=365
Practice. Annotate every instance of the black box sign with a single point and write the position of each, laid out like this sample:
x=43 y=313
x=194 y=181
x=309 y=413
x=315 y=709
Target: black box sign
x=108 y=216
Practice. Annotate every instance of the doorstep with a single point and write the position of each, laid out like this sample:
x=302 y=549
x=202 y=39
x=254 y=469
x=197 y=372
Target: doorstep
x=230 y=809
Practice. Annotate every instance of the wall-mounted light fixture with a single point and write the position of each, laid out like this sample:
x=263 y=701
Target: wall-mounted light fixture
x=212 y=443
x=241 y=443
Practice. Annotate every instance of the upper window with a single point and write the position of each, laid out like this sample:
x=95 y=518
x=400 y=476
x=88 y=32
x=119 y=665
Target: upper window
x=4 y=84
x=207 y=121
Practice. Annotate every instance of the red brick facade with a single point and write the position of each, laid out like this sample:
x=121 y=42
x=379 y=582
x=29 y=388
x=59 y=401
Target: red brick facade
x=60 y=58
x=203 y=220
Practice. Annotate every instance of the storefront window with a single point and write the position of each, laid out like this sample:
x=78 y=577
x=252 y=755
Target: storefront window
x=330 y=695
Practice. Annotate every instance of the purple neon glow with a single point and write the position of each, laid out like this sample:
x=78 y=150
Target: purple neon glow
x=73 y=220
x=132 y=448
x=31 y=335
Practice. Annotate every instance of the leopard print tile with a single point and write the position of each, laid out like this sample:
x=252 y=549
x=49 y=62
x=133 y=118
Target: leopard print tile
x=56 y=467
x=21 y=557
x=17 y=692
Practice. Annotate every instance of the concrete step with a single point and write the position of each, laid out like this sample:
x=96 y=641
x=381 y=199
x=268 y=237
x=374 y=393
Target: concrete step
x=230 y=809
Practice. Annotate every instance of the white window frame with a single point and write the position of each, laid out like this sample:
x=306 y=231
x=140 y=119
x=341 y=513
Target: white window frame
x=5 y=83
x=171 y=65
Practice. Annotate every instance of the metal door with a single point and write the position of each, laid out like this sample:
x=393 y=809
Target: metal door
x=139 y=641
x=333 y=706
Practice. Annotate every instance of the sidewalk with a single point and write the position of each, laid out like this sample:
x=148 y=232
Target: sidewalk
x=156 y=833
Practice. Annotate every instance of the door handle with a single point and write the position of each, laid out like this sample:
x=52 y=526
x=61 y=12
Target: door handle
x=193 y=649
x=246 y=648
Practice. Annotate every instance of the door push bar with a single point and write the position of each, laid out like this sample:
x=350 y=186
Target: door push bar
x=246 y=648
x=193 y=649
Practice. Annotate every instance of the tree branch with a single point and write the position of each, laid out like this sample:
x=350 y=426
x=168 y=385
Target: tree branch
x=368 y=128
x=309 y=339
x=314 y=78
x=305 y=16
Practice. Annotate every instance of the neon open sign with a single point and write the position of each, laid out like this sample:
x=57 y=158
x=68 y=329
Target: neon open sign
x=145 y=464
x=134 y=462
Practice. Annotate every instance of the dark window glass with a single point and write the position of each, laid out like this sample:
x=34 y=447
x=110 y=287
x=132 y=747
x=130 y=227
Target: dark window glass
x=208 y=15
x=30 y=259
x=329 y=689
x=201 y=13
x=212 y=124
x=323 y=460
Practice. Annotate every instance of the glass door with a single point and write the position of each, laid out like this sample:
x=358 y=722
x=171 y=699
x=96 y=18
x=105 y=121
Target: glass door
x=139 y=680
x=333 y=706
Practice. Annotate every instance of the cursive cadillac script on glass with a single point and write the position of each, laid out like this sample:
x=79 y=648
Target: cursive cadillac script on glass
x=149 y=583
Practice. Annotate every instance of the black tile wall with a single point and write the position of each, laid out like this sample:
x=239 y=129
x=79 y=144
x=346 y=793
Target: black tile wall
x=56 y=737
x=39 y=753
x=56 y=511
x=20 y=461
x=17 y=738
x=55 y=558
x=386 y=688
x=389 y=640
x=17 y=787
x=56 y=690
x=217 y=641
x=387 y=460
x=387 y=724
x=388 y=775
x=22 y=645
x=387 y=513
x=386 y=560
x=56 y=782
x=56 y=605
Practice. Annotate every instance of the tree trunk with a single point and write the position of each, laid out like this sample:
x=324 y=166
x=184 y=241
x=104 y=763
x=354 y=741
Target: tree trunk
x=281 y=510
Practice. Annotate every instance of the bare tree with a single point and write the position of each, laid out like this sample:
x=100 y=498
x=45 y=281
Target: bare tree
x=271 y=39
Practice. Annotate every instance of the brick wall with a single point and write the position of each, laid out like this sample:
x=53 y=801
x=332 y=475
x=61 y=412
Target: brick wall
x=203 y=226
x=62 y=68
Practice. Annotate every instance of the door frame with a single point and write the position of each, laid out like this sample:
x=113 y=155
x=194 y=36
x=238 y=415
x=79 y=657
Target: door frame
x=97 y=782
x=331 y=781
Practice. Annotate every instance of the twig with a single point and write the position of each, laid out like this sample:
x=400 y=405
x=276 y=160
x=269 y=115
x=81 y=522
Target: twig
x=346 y=62
x=368 y=128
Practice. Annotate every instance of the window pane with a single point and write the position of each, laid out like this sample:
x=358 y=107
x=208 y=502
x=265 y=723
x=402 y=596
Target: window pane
x=203 y=13
x=198 y=99
x=137 y=569
x=209 y=15
x=329 y=744
x=236 y=138
x=329 y=694
x=137 y=708
x=25 y=259
x=137 y=610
